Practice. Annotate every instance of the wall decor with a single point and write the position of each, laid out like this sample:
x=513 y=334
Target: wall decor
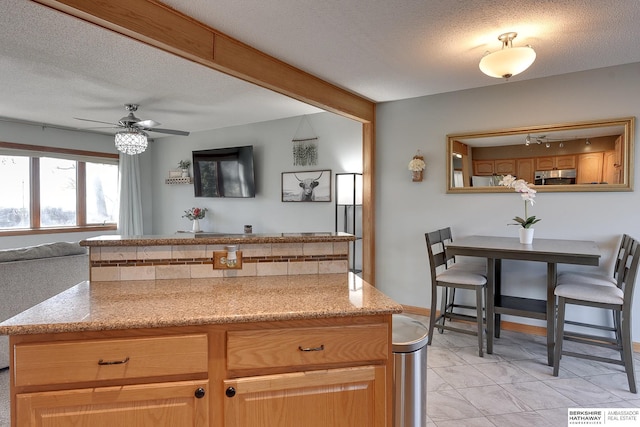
x=305 y=152
x=305 y=144
x=416 y=166
x=306 y=186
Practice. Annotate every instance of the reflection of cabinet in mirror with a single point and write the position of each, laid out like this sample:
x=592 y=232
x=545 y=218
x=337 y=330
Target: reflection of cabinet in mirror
x=483 y=167
x=555 y=162
x=590 y=168
x=524 y=169
x=494 y=167
x=601 y=167
x=612 y=166
x=611 y=172
x=521 y=168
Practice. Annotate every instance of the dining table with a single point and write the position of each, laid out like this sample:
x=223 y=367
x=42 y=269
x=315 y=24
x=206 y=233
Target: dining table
x=549 y=251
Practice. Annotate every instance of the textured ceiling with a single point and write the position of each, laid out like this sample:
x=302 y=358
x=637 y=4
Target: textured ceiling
x=55 y=67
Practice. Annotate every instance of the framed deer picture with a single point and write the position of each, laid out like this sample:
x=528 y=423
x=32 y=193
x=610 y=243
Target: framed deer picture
x=306 y=186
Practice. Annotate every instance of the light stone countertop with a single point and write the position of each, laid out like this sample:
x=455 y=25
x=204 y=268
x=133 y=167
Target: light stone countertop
x=96 y=306
x=216 y=238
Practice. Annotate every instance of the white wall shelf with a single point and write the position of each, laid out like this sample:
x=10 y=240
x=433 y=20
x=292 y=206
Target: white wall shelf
x=173 y=181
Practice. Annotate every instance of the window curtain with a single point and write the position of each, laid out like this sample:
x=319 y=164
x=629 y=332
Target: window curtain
x=130 y=221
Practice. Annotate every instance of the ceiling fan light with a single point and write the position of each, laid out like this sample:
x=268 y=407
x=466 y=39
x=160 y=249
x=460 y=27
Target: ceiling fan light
x=509 y=61
x=131 y=141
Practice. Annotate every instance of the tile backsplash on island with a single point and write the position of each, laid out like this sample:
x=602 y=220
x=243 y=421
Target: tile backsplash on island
x=191 y=259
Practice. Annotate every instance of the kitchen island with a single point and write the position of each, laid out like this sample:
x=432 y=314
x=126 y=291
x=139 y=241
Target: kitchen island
x=271 y=350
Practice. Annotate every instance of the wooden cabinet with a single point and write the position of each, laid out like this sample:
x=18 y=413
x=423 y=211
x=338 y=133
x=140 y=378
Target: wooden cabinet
x=618 y=151
x=304 y=347
x=611 y=171
x=109 y=359
x=545 y=163
x=590 y=168
x=309 y=372
x=494 y=167
x=521 y=168
x=612 y=165
x=325 y=389
x=334 y=397
x=505 y=167
x=555 y=162
x=525 y=169
x=165 y=404
x=566 y=162
x=117 y=381
x=483 y=167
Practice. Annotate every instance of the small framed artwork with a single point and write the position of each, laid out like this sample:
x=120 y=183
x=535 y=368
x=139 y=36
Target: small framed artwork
x=306 y=186
x=175 y=173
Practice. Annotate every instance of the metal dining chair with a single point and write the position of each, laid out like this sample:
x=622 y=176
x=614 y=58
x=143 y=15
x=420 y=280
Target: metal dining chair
x=601 y=277
x=450 y=275
x=617 y=298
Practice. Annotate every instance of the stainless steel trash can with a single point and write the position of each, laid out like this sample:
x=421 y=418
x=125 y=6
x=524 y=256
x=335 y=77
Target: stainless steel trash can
x=410 y=372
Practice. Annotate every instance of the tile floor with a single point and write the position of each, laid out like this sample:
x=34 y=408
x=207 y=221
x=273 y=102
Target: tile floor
x=511 y=387
x=514 y=386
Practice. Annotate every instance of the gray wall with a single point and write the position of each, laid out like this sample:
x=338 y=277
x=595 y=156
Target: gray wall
x=339 y=149
x=405 y=210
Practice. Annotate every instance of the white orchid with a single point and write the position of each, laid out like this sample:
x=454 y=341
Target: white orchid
x=527 y=193
x=508 y=181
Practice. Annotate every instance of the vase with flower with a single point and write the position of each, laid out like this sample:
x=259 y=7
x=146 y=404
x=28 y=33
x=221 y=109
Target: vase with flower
x=528 y=194
x=184 y=166
x=416 y=166
x=195 y=215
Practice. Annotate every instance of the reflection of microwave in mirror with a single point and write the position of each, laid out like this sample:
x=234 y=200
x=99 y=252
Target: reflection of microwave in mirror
x=555 y=177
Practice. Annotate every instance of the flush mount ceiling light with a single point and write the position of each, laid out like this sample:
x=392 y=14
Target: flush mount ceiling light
x=509 y=61
x=131 y=141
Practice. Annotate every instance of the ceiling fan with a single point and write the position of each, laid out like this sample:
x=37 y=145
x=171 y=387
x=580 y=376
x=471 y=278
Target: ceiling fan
x=130 y=121
x=132 y=138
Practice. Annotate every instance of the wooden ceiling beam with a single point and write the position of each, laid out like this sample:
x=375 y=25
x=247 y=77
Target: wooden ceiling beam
x=160 y=26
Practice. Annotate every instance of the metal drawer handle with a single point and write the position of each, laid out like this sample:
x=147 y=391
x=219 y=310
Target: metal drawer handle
x=311 y=348
x=113 y=362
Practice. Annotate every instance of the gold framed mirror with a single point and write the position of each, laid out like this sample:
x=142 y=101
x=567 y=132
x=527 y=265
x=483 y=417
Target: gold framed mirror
x=573 y=157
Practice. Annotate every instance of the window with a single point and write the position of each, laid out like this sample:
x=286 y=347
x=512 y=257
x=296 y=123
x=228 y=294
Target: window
x=58 y=192
x=15 y=202
x=102 y=193
x=50 y=190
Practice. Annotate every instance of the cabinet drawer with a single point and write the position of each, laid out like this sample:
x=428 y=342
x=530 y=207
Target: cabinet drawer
x=109 y=359
x=306 y=346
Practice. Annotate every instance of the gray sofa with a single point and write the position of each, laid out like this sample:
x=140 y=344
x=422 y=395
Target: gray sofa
x=33 y=274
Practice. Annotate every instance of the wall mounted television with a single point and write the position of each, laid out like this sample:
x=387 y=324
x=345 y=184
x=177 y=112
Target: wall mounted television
x=224 y=172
